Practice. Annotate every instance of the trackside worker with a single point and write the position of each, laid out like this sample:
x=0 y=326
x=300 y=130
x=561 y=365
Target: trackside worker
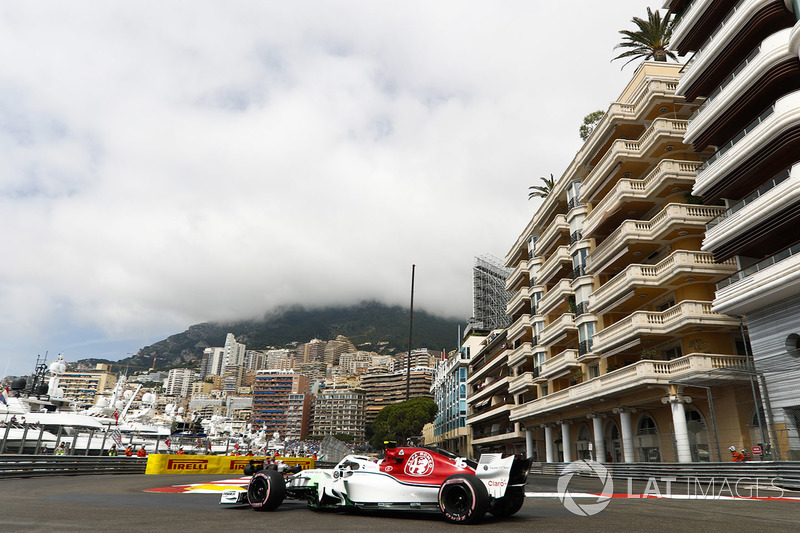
x=142 y=452
x=112 y=452
x=129 y=451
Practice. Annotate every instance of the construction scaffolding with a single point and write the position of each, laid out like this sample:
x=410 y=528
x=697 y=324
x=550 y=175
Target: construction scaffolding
x=489 y=294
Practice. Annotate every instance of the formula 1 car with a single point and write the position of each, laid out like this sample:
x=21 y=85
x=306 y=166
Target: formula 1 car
x=413 y=478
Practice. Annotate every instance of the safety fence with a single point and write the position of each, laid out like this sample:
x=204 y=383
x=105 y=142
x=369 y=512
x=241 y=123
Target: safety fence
x=783 y=474
x=63 y=465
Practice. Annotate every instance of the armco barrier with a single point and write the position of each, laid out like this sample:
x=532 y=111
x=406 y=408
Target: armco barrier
x=785 y=474
x=64 y=465
x=211 y=464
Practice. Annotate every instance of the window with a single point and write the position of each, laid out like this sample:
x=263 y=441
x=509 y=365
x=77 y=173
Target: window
x=647 y=426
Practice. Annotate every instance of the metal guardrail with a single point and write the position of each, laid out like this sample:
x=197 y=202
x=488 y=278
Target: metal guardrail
x=785 y=474
x=68 y=465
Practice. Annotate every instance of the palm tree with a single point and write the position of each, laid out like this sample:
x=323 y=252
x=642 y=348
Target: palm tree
x=651 y=41
x=541 y=191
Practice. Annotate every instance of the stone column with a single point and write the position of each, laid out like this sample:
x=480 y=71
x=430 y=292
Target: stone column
x=548 y=444
x=599 y=443
x=627 y=435
x=676 y=402
x=529 y=442
x=566 y=443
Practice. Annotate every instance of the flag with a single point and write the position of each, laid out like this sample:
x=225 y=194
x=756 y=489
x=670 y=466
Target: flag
x=166 y=441
x=116 y=416
x=4 y=396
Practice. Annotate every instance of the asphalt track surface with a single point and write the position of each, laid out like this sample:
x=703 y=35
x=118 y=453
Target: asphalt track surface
x=119 y=503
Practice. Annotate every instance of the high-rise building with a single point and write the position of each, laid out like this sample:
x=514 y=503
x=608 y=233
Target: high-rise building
x=312 y=351
x=340 y=411
x=744 y=67
x=83 y=386
x=614 y=349
x=387 y=388
x=271 y=393
x=422 y=357
x=449 y=391
x=234 y=352
x=336 y=347
x=212 y=362
x=298 y=416
x=179 y=382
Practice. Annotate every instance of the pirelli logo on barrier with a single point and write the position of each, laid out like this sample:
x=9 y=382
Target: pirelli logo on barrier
x=238 y=465
x=211 y=464
x=187 y=464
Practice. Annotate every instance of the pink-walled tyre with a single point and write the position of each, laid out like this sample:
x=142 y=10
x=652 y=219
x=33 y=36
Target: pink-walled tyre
x=266 y=490
x=463 y=499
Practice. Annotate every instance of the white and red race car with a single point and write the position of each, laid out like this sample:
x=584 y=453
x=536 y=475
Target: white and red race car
x=412 y=478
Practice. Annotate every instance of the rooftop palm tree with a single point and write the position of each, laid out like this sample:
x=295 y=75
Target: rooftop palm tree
x=541 y=191
x=651 y=41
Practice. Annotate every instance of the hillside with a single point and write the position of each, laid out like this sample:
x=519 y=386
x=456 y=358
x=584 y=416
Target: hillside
x=366 y=325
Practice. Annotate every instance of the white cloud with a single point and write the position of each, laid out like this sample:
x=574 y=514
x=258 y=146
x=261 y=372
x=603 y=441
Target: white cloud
x=165 y=164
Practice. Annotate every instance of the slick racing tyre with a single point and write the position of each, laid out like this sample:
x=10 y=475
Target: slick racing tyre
x=509 y=504
x=463 y=499
x=266 y=490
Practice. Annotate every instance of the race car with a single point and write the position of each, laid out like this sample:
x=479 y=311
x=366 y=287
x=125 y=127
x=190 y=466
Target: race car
x=413 y=478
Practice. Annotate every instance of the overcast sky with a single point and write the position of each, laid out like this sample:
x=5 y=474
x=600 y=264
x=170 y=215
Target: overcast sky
x=169 y=163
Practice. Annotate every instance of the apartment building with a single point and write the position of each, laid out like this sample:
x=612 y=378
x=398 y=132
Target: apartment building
x=386 y=388
x=490 y=400
x=340 y=411
x=298 y=416
x=744 y=66
x=179 y=382
x=271 y=394
x=614 y=350
x=83 y=386
x=449 y=388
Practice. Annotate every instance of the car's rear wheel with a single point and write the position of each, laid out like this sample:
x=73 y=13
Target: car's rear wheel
x=463 y=499
x=509 y=504
x=266 y=490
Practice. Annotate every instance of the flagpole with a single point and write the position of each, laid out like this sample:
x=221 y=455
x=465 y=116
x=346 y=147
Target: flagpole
x=410 y=332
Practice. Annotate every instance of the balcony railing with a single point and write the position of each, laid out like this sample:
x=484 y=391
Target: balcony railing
x=581 y=309
x=574 y=237
x=738 y=137
x=560 y=362
x=768 y=186
x=639 y=375
x=749 y=59
x=640 y=323
x=574 y=202
x=585 y=346
x=578 y=271
x=761 y=265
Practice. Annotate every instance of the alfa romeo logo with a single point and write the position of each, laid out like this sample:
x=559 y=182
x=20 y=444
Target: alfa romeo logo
x=586 y=509
x=419 y=464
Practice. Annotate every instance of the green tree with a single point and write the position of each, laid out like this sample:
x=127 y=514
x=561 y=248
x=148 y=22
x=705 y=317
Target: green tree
x=541 y=191
x=589 y=122
x=650 y=41
x=399 y=421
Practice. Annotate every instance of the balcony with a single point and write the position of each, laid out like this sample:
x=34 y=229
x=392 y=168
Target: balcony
x=767 y=142
x=517 y=276
x=637 y=376
x=491 y=389
x=690 y=16
x=554 y=234
x=668 y=173
x=663 y=276
x=516 y=302
x=489 y=413
x=519 y=354
x=760 y=285
x=553 y=265
x=621 y=150
x=560 y=364
x=665 y=225
x=564 y=324
x=685 y=315
x=525 y=381
x=707 y=56
x=555 y=298
x=498 y=438
x=518 y=328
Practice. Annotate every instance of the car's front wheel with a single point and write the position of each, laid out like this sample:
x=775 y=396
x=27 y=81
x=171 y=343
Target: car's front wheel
x=266 y=490
x=463 y=499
